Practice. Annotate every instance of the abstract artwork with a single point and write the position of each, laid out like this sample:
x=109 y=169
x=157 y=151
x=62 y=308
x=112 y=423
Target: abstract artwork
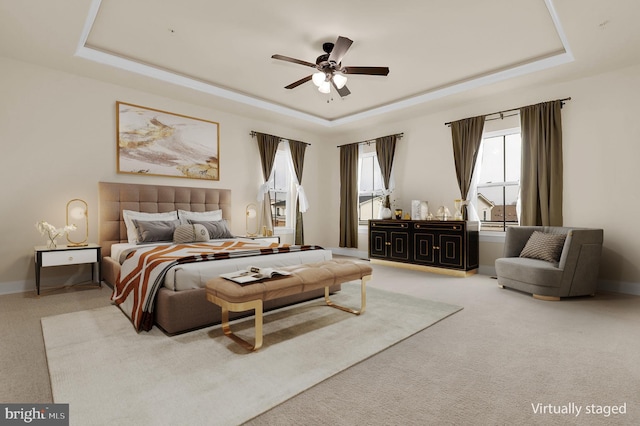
x=159 y=143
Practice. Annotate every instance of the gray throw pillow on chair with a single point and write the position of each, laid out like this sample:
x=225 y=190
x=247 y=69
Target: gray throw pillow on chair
x=544 y=246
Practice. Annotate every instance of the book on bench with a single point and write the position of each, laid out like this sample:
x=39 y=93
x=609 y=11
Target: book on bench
x=253 y=274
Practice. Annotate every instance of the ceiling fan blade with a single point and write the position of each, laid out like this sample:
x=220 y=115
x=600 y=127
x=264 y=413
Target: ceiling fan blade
x=339 y=49
x=366 y=70
x=294 y=60
x=298 y=83
x=343 y=91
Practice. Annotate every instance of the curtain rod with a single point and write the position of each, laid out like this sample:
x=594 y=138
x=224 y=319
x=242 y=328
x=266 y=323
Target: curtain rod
x=253 y=134
x=397 y=135
x=510 y=110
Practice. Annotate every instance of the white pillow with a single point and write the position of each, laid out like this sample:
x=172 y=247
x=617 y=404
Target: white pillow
x=129 y=215
x=209 y=216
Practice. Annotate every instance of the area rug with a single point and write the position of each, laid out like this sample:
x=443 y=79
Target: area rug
x=109 y=374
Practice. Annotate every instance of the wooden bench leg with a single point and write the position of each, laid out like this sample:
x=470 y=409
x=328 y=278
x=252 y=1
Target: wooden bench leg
x=363 y=298
x=255 y=305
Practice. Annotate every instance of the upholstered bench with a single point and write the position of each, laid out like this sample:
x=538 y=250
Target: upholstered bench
x=234 y=297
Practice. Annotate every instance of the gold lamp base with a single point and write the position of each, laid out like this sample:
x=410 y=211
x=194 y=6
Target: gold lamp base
x=79 y=210
x=77 y=244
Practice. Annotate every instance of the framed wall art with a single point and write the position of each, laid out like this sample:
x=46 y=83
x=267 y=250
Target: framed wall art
x=160 y=143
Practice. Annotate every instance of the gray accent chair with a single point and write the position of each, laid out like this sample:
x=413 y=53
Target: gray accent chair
x=576 y=274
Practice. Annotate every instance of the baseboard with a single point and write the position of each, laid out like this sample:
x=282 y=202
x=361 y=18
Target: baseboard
x=623 y=287
x=353 y=252
x=487 y=270
x=12 y=287
x=79 y=276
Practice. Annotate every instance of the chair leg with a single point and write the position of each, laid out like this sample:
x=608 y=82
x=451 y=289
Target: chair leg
x=548 y=298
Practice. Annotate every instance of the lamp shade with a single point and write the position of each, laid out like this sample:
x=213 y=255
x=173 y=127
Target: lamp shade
x=339 y=80
x=325 y=87
x=318 y=78
x=251 y=220
x=78 y=215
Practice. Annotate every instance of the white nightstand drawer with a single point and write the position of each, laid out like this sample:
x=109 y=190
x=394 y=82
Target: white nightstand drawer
x=269 y=239
x=69 y=257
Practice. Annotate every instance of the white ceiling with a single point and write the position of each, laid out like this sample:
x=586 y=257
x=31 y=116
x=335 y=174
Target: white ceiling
x=222 y=51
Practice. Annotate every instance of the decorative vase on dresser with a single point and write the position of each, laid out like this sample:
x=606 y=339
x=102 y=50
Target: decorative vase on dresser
x=385 y=213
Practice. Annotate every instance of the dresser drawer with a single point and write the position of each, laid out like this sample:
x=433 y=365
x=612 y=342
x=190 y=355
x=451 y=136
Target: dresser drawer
x=69 y=257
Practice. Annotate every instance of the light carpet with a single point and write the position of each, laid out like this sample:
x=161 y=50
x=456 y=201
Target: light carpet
x=109 y=374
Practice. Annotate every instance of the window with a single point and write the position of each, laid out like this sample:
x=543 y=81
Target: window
x=370 y=184
x=282 y=190
x=498 y=186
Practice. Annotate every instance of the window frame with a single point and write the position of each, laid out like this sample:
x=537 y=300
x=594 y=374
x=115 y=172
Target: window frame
x=504 y=183
x=377 y=176
x=291 y=193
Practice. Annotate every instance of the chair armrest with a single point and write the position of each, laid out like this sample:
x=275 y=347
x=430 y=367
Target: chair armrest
x=573 y=247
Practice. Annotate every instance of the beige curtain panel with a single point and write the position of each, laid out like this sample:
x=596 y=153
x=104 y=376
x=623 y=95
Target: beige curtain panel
x=467 y=137
x=385 y=151
x=297 y=155
x=349 y=195
x=541 y=182
x=268 y=146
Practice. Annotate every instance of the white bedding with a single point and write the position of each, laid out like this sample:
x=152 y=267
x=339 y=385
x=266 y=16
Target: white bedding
x=196 y=275
x=117 y=249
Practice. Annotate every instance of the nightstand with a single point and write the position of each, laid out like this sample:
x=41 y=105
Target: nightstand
x=67 y=255
x=270 y=238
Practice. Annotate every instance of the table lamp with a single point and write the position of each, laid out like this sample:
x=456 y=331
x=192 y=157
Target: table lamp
x=77 y=214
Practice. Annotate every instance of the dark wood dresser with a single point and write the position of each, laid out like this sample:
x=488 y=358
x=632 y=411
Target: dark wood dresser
x=449 y=247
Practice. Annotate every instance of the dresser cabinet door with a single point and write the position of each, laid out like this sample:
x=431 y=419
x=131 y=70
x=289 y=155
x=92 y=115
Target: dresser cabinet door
x=424 y=247
x=399 y=245
x=389 y=240
x=378 y=246
x=439 y=244
x=451 y=250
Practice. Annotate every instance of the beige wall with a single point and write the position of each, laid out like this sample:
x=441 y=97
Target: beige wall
x=58 y=135
x=601 y=155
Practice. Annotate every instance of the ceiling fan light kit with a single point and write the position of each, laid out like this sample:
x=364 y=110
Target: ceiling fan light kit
x=330 y=70
x=339 y=80
x=325 y=87
x=318 y=78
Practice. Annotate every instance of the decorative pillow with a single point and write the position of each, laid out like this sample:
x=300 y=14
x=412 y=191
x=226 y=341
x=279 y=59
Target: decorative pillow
x=190 y=234
x=129 y=215
x=212 y=215
x=150 y=231
x=217 y=228
x=544 y=246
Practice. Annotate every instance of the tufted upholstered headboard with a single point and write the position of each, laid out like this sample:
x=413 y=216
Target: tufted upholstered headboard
x=115 y=197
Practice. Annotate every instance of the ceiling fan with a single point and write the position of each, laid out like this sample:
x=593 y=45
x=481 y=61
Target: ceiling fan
x=330 y=71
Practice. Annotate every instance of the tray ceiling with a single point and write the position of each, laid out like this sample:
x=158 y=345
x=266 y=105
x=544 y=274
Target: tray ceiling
x=218 y=54
x=432 y=48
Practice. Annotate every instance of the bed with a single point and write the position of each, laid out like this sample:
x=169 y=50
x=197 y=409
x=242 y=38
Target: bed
x=180 y=304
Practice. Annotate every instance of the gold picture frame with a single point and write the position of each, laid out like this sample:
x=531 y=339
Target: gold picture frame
x=153 y=142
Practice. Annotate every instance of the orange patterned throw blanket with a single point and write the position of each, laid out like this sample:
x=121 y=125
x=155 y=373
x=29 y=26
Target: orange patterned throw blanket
x=143 y=271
